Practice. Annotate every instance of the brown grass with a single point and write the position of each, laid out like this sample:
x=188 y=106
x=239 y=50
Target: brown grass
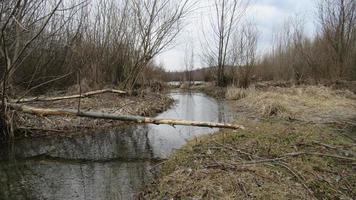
x=317 y=104
x=241 y=165
x=273 y=158
x=235 y=93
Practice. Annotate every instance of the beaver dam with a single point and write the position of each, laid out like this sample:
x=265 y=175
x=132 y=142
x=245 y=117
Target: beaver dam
x=109 y=163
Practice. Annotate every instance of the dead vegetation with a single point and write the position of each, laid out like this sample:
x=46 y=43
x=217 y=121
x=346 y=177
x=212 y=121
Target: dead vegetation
x=146 y=104
x=235 y=93
x=270 y=160
x=294 y=149
x=318 y=104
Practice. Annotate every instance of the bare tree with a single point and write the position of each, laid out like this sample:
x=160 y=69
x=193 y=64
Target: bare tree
x=26 y=27
x=227 y=14
x=243 y=53
x=328 y=56
x=189 y=63
x=157 y=23
x=22 y=22
x=338 y=25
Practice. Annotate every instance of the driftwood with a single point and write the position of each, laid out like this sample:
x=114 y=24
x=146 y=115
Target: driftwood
x=87 y=94
x=127 y=118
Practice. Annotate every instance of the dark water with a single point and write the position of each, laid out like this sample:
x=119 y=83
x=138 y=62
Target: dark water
x=113 y=164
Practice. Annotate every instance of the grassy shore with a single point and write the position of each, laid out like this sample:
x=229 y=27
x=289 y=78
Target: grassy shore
x=299 y=143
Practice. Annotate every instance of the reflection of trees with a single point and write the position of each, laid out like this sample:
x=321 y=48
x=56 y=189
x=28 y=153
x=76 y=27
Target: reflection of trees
x=12 y=181
x=94 y=166
x=73 y=180
x=127 y=142
x=189 y=110
x=221 y=112
x=114 y=161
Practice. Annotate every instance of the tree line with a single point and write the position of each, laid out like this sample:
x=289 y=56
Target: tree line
x=108 y=41
x=330 y=55
x=55 y=44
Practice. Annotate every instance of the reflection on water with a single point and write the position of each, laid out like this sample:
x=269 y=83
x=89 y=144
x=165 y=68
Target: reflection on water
x=126 y=143
x=113 y=164
x=70 y=180
x=190 y=106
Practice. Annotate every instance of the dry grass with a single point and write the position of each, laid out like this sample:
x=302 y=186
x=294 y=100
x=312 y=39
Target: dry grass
x=184 y=86
x=273 y=158
x=317 y=104
x=244 y=165
x=235 y=93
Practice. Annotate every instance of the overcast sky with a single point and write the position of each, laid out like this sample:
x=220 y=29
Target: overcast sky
x=268 y=15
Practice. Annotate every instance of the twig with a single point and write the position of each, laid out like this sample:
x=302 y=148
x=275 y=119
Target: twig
x=87 y=94
x=298 y=176
x=242 y=188
x=319 y=154
x=80 y=90
x=20 y=25
x=40 y=85
x=233 y=149
x=157 y=165
x=324 y=145
x=347 y=135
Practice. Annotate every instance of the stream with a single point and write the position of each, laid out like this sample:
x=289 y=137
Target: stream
x=113 y=164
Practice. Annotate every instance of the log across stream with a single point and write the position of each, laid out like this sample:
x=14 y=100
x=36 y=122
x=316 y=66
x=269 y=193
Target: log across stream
x=111 y=164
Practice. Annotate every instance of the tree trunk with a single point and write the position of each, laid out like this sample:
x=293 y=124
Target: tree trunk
x=126 y=118
x=3 y=128
x=87 y=94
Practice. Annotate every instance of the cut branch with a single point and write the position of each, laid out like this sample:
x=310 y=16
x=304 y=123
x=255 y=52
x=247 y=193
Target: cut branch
x=126 y=118
x=87 y=94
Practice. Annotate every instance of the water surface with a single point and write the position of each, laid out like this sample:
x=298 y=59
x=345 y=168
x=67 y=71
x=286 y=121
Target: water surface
x=112 y=164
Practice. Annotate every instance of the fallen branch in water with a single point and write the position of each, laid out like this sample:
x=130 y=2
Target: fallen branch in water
x=127 y=118
x=87 y=94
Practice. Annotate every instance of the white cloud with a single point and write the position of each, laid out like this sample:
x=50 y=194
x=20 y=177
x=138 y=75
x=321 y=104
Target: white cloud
x=268 y=15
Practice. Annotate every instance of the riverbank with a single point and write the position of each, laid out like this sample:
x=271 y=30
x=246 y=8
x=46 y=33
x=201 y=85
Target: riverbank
x=113 y=163
x=144 y=104
x=299 y=143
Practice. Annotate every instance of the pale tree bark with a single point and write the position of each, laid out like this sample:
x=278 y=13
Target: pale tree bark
x=75 y=96
x=125 y=118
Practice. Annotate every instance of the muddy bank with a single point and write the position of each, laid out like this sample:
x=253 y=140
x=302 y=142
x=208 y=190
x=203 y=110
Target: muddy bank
x=299 y=143
x=145 y=104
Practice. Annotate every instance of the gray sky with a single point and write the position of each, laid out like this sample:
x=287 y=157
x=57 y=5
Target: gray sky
x=268 y=15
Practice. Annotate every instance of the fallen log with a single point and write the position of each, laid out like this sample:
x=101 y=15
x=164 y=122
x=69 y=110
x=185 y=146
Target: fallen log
x=126 y=118
x=87 y=94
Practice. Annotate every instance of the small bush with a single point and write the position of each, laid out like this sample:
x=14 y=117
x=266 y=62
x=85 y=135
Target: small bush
x=275 y=108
